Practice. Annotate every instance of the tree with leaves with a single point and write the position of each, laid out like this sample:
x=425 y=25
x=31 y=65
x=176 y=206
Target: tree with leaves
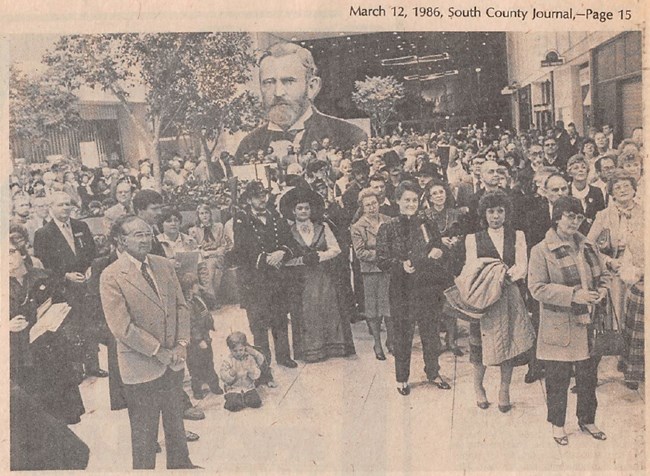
x=40 y=104
x=193 y=80
x=377 y=96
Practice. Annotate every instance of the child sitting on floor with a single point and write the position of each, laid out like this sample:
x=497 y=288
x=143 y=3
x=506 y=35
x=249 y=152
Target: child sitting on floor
x=200 y=359
x=239 y=372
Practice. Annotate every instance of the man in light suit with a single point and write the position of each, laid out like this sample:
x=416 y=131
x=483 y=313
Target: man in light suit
x=146 y=312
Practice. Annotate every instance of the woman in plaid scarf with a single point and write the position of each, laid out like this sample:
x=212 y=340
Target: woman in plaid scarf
x=566 y=277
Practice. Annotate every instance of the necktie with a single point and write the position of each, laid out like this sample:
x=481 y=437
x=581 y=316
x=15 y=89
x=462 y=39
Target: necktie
x=207 y=234
x=67 y=233
x=147 y=277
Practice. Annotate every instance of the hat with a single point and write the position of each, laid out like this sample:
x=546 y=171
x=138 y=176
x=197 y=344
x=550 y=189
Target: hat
x=254 y=189
x=427 y=169
x=360 y=166
x=391 y=159
x=301 y=195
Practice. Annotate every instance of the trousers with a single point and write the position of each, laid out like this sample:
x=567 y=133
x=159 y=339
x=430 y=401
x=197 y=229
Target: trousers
x=558 y=379
x=260 y=320
x=145 y=403
x=403 y=330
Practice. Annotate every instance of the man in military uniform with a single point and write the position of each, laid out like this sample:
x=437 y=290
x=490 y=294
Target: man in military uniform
x=262 y=243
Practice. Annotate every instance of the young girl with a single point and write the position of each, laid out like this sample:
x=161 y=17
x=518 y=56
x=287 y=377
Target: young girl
x=200 y=360
x=239 y=372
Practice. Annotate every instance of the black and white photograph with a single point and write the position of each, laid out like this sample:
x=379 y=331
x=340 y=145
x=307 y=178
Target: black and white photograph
x=396 y=250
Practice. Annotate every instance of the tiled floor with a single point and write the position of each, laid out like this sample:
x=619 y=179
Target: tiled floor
x=345 y=415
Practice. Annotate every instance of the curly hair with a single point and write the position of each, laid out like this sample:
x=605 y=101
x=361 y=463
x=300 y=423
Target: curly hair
x=492 y=200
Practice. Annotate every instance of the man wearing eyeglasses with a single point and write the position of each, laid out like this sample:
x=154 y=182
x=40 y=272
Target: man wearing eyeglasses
x=552 y=158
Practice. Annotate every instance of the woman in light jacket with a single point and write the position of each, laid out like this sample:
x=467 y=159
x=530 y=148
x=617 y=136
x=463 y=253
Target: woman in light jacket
x=214 y=243
x=375 y=281
x=566 y=277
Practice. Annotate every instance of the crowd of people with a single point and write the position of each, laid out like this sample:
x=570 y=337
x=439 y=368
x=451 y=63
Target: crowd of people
x=349 y=228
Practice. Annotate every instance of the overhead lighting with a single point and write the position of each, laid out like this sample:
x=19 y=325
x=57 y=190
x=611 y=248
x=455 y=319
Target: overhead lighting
x=430 y=77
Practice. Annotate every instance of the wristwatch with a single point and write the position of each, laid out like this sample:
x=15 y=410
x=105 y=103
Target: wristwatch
x=182 y=343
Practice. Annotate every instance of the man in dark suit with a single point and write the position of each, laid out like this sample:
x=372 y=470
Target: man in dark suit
x=575 y=141
x=146 y=312
x=66 y=247
x=289 y=84
x=552 y=157
x=262 y=242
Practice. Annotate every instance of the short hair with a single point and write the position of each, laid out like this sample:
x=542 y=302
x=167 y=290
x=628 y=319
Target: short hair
x=406 y=186
x=620 y=176
x=286 y=49
x=563 y=205
x=18 y=229
x=440 y=183
x=236 y=338
x=599 y=161
x=494 y=199
x=365 y=193
x=57 y=194
x=167 y=213
x=575 y=159
x=144 y=198
x=554 y=174
x=377 y=178
x=117 y=228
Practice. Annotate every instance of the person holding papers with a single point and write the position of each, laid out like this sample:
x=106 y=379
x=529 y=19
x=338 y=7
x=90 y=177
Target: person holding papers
x=42 y=368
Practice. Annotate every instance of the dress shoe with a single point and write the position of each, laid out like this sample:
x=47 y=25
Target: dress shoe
x=483 y=405
x=98 y=373
x=406 y=390
x=193 y=413
x=290 y=364
x=190 y=436
x=440 y=383
x=379 y=353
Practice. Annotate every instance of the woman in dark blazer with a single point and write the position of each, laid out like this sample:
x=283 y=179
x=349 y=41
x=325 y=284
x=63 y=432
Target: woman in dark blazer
x=566 y=276
x=375 y=281
x=410 y=249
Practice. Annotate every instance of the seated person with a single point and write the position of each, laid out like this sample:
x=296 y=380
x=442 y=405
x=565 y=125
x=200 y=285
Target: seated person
x=239 y=373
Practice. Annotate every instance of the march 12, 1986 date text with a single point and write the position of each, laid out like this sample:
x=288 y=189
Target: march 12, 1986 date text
x=522 y=14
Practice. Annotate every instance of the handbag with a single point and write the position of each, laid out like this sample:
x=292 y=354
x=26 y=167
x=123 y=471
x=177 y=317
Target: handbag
x=606 y=339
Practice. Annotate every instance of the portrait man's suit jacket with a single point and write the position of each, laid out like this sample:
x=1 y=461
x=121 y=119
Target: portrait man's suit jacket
x=139 y=319
x=51 y=247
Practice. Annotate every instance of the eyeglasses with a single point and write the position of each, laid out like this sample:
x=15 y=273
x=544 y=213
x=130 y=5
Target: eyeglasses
x=559 y=189
x=538 y=153
x=574 y=216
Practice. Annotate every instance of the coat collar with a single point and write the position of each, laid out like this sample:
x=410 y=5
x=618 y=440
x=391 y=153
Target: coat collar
x=553 y=241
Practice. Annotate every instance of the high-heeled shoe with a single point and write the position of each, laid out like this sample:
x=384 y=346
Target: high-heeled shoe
x=379 y=354
x=505 y=408
x=597 y=435
x=483 y=405
x=561 y=440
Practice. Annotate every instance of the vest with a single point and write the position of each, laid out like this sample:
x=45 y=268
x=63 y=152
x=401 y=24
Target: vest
x=485 y=248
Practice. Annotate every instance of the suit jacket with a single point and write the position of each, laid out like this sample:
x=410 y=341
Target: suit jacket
x=537 y=220
x=412 y=239
x=51 y=247
x=342 y=134
x=140 y=320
